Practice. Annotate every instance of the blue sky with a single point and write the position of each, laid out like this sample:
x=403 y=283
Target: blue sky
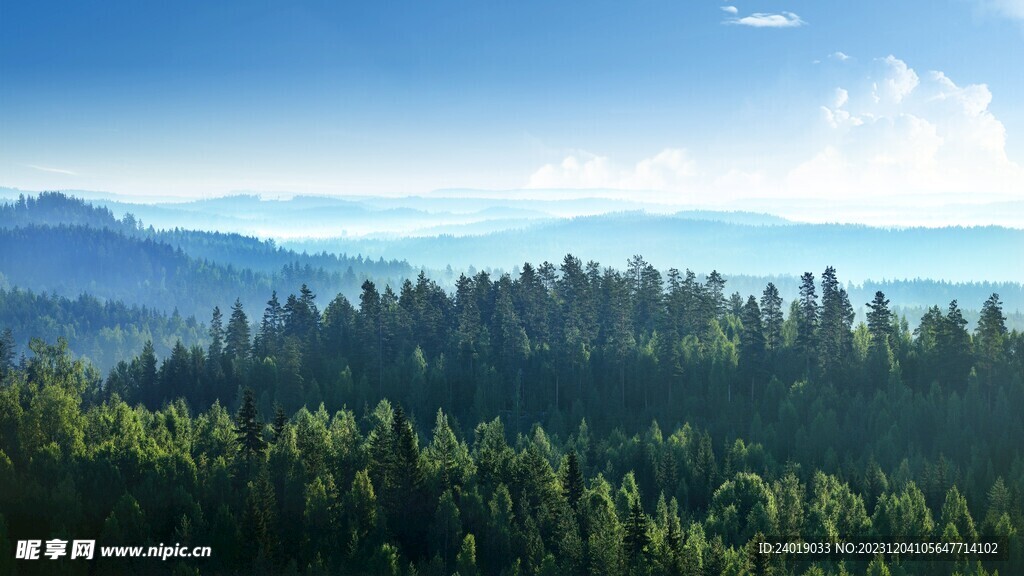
x=677 y=101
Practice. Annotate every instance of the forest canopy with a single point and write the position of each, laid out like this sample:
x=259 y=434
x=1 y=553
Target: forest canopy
x=572 y=419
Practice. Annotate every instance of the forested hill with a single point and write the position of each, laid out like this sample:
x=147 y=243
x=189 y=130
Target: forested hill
x=63 y=245
x=103 y=332
x=863 y=252
x=570 y=420
x=58 y=209
x=71 y=260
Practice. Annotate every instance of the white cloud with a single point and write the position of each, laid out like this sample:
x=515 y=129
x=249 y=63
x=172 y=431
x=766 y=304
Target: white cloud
x=836 y=115
x=841 y=56
x=730 y=9
x=888 y=141
x=766 y=20
x=897 y=83
x=905 y=134
x=668 y=171
x=52 y=170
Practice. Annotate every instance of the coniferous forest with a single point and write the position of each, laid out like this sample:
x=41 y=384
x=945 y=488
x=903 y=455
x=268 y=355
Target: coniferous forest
x=571 y=419
x=530 y=288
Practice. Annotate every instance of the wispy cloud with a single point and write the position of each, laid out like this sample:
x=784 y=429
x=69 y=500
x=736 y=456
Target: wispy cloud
x=52 y=170
x=730 y=9
x=841 y=56
x=767 y=20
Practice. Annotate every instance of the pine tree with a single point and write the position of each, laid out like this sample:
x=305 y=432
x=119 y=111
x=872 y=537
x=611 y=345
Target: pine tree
x=408 y=497
x=990 y=339
x=879 y=321
x=954 y=348
x=714 y=293
x=771 y=309
x=268 y=340
x=637 y=536
x=836 y=321
x=370 y=334
x=752 y=341
x=956 y=514
x=148 y=383
x=248 y=429
x=807 y=321
x=572 y=481
x=259 y=524
x=465 y=562
x=7 y=348
x=280 y=421
x=881 y=330
x=236 y=345
x=216 y=335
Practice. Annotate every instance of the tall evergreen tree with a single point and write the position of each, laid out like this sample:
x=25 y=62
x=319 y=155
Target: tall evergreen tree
x=148 y=384
x=280 y=421
x=990 y=339
x=248 y=428
x=268 y=340
x=807 y=321
x=752 y=344
x=7 y=349
x=572 y=481
x=881 y=330
x=236 y=345
x=637 y=536
x=954 y=347
x=771 y=309
x=836 y=321
x=714 y=293
x=408 y=496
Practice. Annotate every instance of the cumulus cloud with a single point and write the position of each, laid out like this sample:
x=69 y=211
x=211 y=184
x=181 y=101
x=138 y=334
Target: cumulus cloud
x=836 y=115
x=841 y=56
x=888 y=136
x=730 y=9
x=768 y=20
x=898 y=81
x=906 y=134
x=667 y=171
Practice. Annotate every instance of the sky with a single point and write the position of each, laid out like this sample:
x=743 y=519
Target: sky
x=681 y=101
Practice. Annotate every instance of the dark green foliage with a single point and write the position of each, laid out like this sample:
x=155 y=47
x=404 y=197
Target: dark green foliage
x=807 y=321
x=572 y=481
x=248 y=428
x=771 y=308
x=812 y=457
x=637 y=536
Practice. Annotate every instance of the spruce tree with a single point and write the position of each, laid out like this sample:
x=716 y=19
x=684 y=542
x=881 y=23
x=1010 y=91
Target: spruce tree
x=280 y=421
x=572 y=481
x=752 y=351
x=7 y=348
x=637 y=536
x=248 y=429
x=807 y=321
x=772 y=317
x=990 y=339
x=236 y=345
x=881 y=330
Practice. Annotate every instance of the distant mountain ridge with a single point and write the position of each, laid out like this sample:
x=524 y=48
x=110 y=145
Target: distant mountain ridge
x=861 y=252
x=86 y=250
